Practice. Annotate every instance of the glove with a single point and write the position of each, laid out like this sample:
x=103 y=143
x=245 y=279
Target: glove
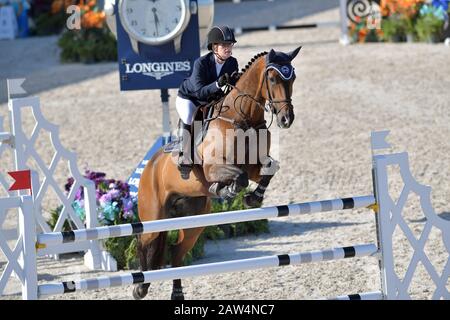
x=234 y=77
x=223 y=83
x=223 y=80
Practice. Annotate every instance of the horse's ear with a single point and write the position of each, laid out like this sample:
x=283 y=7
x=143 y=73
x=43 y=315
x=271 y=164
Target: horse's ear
x=294 y=53
x=271 y=55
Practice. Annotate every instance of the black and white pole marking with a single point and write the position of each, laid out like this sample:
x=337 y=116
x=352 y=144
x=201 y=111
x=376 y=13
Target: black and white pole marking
x=374 y=295
x=54 y=238
x=208 y=269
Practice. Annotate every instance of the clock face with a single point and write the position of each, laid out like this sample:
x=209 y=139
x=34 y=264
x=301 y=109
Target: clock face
x=153 y=21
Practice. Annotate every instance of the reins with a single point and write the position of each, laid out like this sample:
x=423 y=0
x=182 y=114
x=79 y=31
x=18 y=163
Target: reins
x=239 y=108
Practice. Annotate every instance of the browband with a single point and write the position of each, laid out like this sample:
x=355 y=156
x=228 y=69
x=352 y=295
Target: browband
x=286 y=71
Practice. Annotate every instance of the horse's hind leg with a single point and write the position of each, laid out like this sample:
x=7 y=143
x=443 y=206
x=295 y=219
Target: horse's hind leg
x=151 y=246
x=151 y=256
x=179 y=251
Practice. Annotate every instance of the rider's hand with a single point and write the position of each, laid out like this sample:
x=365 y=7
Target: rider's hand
x=234 y=77
x=224 y=83
x=223 y=80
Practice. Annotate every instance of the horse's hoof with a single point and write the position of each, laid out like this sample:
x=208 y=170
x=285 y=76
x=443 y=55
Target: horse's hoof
x=139 y=292
x=252 y=201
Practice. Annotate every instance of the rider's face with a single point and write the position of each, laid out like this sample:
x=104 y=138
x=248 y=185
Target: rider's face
x=225 y=50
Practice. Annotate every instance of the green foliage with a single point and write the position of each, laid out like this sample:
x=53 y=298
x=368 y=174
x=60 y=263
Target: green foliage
x=88 y=45
x=429 y=28
x=393 y=28
x=48 y=24
x=123 y=249
x=54 y=215
x=131 y=262
x=242 y=228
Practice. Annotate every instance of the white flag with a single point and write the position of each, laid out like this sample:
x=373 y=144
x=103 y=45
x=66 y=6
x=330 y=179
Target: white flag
x=378 y=140
x=15 y=86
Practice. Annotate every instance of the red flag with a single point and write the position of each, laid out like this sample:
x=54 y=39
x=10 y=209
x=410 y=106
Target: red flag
x=23 y=180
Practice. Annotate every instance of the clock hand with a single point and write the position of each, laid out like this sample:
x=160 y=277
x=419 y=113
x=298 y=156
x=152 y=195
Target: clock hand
x=156 y=20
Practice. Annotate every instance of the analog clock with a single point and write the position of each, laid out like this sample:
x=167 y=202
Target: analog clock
x=155 y=22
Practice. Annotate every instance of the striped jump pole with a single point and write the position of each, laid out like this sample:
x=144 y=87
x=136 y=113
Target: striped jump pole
x=240 y=30
x=54 y=238
x=374 y=295
x=208 y=269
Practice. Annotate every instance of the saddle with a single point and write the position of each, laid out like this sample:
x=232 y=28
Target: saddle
x=202 y=114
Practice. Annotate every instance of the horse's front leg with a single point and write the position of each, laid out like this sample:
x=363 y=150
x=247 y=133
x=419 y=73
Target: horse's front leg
x=227 y=180
x=262 y=174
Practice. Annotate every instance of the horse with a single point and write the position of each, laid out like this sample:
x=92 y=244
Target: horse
x=162 y=193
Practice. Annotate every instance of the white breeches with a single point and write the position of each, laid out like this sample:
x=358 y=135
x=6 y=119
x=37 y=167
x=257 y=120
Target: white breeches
x=186 y=110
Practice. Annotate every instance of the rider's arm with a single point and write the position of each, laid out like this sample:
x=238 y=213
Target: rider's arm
x=201 y=89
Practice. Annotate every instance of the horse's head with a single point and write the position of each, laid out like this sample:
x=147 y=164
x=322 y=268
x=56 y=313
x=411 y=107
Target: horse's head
x=279 y=77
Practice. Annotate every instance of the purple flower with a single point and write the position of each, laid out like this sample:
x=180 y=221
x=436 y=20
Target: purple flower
x=127 y=204
x=69 y=184
x=114 y=193
x=105 y=198
x=80 y=194
x=91 y=175
x=115 y=205
x=128 y=214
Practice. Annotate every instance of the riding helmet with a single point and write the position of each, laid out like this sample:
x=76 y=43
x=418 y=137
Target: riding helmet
x=220 y=34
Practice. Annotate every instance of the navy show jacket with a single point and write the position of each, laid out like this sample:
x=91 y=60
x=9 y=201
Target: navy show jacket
x=201 y=86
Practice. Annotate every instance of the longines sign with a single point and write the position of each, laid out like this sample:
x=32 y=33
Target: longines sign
x=158 y=70
x=145 y=66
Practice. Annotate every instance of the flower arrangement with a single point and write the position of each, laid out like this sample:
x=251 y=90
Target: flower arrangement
x=431 y=20
x=405 y=20
x=114 y=203
x=359 y=32
x=93 y=42
x=114 y=206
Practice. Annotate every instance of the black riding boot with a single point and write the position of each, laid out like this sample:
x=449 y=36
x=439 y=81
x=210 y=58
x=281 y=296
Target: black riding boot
x=184 y=158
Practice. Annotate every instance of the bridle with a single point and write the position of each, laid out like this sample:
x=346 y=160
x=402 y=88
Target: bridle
x=286 y=72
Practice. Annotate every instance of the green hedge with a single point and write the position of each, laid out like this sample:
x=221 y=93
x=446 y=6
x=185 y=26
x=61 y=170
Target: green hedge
x=88 y=45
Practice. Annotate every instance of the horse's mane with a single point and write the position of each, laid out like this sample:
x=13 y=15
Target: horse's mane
x=247 y=66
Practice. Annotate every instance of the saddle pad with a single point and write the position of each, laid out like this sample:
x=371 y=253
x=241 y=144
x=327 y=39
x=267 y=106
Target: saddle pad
x=172 y=146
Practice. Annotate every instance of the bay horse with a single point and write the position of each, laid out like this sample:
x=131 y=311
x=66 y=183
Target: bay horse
x=162 y=193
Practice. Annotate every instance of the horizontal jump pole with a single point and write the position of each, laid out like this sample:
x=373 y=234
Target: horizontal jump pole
x=212 y=219
x=208 y=269
x=374 y=295
x=240 y=30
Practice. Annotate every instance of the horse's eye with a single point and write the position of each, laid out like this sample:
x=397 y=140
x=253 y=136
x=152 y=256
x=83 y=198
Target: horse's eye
x=272 y=80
